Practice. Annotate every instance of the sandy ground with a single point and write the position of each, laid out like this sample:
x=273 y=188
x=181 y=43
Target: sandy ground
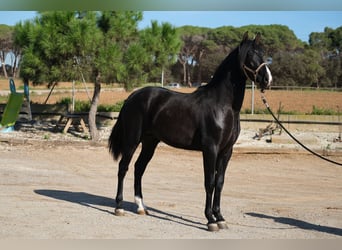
x=65 y=190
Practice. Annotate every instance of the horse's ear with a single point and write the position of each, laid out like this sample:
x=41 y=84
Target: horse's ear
x=245 y=37
x=257 y=38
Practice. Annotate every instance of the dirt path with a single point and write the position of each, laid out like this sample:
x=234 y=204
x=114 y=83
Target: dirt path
x=67 y=191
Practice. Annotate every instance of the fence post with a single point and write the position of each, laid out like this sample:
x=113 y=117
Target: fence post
x=252 y=109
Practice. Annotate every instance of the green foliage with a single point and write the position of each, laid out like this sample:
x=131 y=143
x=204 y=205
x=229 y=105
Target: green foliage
x=135 y=58
x=322 y=111
x=80 y=106
x=266 y=112
x=328 y=40
x=203 y=48
x=109 y=43
x=291 y=68
x=65 y=100
x=118 y=54
x=315 y=111
x=51 y=43
x=111 y=108
x=256 y=111
x=295 y=63
x=161 y=43
x=275 y=37
x=84 y=106
x=328 y=44
x=46 y=136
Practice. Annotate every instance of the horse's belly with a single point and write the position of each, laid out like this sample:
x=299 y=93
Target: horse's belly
x=176 y=136
x=177 y=130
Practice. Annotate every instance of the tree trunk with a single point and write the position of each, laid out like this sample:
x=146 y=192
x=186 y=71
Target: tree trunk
x=188 y=76
x=16 y=69
x=94 y=134
x=184 y=73
x=199 y=61
x=183 y=62
x=2 y=59
x=4 y=70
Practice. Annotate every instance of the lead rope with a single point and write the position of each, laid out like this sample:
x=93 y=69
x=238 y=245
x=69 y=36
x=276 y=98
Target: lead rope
x=263 y=98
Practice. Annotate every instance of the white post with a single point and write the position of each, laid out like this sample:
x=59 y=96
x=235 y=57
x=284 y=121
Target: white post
x=73 y=97
x=162 y=77
x=253 y=98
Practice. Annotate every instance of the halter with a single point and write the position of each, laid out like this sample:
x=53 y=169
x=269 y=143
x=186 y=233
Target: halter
x=254 y=72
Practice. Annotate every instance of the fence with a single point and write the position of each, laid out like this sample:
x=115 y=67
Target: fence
x=300 y=88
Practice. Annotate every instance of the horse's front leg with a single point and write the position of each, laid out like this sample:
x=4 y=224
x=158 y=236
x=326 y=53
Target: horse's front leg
x=221 y=166
x=209 y=162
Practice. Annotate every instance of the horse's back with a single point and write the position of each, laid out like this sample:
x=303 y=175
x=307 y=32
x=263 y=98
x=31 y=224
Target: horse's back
x=145 y=101
x=145 y=104
x=165 y=114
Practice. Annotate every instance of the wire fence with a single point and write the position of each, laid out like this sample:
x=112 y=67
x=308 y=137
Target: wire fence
x=301 y=88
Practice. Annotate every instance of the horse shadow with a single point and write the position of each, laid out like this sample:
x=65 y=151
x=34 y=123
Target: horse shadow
x=80 y=198
x=299 y=224
x=96 y=201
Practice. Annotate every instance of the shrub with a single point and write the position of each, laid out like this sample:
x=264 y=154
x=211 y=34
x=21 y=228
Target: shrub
x=84 y=106
x=322 y=111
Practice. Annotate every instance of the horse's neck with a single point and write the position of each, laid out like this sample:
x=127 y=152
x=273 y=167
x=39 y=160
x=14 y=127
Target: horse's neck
x=229 y=82
x=230 y=91
x=239 y=95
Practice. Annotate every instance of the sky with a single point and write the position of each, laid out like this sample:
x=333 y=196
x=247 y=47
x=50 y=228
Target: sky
x=301 y=22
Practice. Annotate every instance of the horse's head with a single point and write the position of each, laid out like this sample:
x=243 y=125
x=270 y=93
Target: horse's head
x=252 y=61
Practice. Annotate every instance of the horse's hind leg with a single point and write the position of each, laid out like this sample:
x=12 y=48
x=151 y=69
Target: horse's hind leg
x=123 y=167
x=149 y=145
x=209 y=160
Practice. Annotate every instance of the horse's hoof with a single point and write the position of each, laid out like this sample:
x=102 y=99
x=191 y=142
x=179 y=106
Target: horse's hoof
x=142 y=212
x=222 y=225
x=119 y=212
x=213 y=227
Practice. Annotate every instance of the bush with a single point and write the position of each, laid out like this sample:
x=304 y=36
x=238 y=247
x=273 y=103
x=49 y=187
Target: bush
x=111 y=108
x=84 y=106
x=322 y=111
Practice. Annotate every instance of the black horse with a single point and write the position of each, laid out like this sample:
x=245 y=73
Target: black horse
x=206 y=120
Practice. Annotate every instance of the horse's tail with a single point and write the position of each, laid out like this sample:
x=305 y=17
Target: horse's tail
x=115 y=139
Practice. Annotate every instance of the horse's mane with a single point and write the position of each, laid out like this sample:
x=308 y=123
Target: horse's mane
x=234 y=59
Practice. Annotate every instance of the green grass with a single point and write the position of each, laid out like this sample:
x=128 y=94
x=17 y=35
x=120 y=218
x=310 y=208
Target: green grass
x=315 y=111
x=323 y=111
x=256 y=111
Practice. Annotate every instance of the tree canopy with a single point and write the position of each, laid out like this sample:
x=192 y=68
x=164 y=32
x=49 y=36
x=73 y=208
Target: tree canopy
x=54 y=42
x=110 y=42
x=294 y=63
